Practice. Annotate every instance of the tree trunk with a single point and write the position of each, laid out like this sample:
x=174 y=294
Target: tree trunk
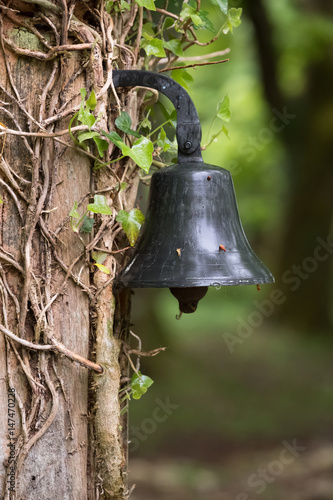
x=309 y=207
x=64 y=438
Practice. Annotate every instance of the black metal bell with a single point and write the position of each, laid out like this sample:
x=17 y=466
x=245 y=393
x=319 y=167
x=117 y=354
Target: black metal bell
x=192 y=237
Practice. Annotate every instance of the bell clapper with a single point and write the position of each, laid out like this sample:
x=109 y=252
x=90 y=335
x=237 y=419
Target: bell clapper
x=188 y=298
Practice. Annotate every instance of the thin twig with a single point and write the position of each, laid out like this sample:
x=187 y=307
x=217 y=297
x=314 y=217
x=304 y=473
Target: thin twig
x=167 y=13
x=54 y=346
x=11 y=261
x=54 y=410
x=64 y=23
x=47 y=135
x=8 y=9
x=45 y=4
x=20 y=105
x=58 y=346
x=105 y=226
x=52 y=26
x=13 y=118
x=218 y=53
x=154 y=352
x=13 y=195
x=139 y=348
x=139 y=33
x=201 y=44
x=25 y=343
x=192 y=65
x=111 y=251
x=129 y=23
x=109 y=81
x=43 y=56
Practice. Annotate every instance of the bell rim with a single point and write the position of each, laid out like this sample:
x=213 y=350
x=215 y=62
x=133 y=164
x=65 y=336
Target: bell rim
x=194 y=282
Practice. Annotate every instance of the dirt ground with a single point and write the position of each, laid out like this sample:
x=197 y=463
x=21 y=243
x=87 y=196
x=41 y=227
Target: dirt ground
x=292 y=471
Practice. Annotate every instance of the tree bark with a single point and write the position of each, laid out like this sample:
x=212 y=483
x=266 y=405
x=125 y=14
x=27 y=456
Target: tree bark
x=69 y=437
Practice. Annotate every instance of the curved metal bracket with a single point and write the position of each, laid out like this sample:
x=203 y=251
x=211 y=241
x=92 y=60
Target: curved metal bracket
x=188 y=125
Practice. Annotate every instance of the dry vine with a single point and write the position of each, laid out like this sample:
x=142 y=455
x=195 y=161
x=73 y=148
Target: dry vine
x=41 y=287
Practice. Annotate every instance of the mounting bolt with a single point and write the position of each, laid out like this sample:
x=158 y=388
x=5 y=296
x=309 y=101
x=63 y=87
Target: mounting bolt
x=188 y=145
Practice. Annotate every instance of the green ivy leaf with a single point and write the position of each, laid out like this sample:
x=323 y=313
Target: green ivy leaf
x=114 y=4
x=149 y=4
x=215 y=136
x=99 y=257
x=173 y=117
x=174 y=46
x=182 y=77
x=91 y=102
x=168 y=23
x=147 y=29
x=101 y=144
x=102 y=268
x=99 y=206
x=124 y=5
x=223 y=109
x=108 y=5
x=87 y=225
x=84 y=136
x=85 y=117
x=191 y=13
x=206 y=22
x=115 y=138
x=123 y=185
x=225 y=131
x=131 y=223
x=163 y=141
x=146 y=123
x=74 y=212
x=124 y=123
x=223 y=4
x=233 y=20
x=152 y=46
x=141 y=152
x=235 y=16
x=140 y=385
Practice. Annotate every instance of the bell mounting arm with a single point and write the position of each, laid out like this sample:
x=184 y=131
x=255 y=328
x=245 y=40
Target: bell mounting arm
x=188 y=125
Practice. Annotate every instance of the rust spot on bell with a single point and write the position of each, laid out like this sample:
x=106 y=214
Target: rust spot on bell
x=179 y=251
x=222 y=247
